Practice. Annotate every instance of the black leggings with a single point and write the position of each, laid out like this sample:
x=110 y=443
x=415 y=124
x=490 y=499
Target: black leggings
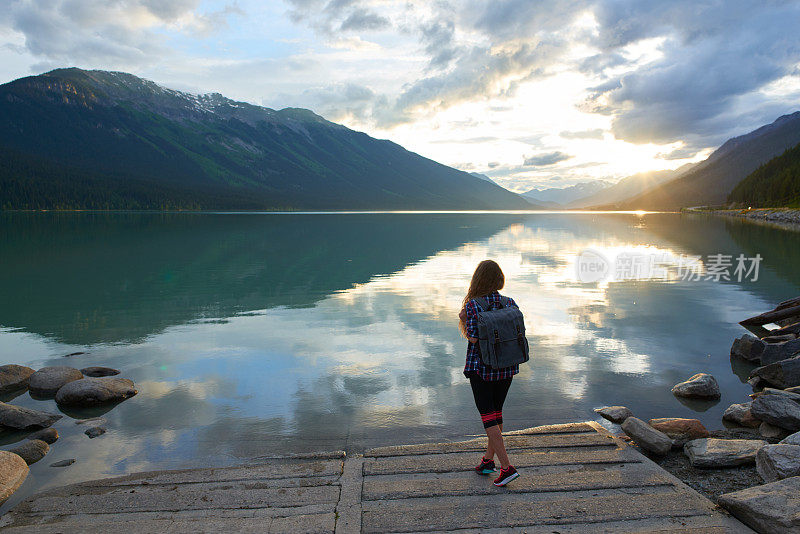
x=489 y=398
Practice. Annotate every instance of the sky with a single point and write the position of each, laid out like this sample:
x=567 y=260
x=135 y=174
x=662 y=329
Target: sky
x=532 y=93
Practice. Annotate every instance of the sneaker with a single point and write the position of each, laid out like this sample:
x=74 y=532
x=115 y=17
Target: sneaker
x=506 y=475
x=486 y=467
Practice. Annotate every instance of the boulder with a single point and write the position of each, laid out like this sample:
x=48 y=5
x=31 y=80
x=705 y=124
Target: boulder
x=13 y=471
x=63 y=463
x=47 y=381
x=14 y=377
x=772 y=508
x=95 y=431
x=772 y=391
x=646 y=436
x=740 y=414
x=777 y=410
x=794 y=439
x=782 y=375
x=680 y=430
x=615 y=414
x=775 y=462
x=757 y=382
x=747 y=347
x=21 y=418
x=795 y=389
x=88 y=392
x=699 y=386
x=32 y=450
x=99 y=371
x=769 y=431
x=48 y=435
x=713 y=452
x=776 y=352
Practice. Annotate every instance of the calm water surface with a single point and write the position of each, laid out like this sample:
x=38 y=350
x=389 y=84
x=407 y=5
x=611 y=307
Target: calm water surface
x=260 y=334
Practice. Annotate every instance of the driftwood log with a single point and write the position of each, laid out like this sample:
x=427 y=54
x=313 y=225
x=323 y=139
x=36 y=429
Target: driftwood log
x=786 y=315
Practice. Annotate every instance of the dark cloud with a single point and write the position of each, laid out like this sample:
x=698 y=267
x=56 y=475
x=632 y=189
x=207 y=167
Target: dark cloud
x=549 y=158
x=713 y=54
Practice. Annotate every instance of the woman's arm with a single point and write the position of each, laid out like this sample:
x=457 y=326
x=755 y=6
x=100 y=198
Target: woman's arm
x=471 y=313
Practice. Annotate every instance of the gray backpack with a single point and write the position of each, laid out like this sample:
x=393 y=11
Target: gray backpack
x=501 y=335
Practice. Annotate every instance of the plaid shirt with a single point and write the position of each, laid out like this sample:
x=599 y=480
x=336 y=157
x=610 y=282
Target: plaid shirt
x=474 y=363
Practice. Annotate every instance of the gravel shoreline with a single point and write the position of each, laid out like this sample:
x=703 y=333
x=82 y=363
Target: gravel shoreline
x=782 y=216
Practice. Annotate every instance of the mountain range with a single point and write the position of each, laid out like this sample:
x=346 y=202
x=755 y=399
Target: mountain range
x=710 y=182
x=72 y=138
x=562 y=196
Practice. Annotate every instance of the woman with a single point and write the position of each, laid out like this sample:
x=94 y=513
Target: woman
x=489 y=386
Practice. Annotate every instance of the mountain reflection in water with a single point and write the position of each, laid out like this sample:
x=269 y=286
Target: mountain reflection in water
x=261 y=334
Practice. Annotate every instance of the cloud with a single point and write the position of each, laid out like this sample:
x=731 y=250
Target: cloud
x=549 y=158
x=712 y=55
x=329 y=17
x=364 y=21
x=585 y=134
x=106 y=33
x=334 y=102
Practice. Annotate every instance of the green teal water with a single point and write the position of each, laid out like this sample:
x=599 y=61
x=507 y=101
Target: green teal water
x=260 y=334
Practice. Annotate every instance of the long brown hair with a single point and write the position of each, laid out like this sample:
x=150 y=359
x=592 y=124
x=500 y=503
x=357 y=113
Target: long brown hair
x=487 y=277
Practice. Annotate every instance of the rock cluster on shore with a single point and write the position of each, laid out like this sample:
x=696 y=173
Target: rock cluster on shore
x=774 y=411
x=70 y=387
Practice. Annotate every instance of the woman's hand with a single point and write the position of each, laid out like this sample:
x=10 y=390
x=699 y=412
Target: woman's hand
x=472 y=339
x=462 y=315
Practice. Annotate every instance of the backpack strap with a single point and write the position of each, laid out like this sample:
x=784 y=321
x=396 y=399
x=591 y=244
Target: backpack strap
x=483 y=303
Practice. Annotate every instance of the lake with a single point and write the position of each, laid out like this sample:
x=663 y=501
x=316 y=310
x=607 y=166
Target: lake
x=254 y=335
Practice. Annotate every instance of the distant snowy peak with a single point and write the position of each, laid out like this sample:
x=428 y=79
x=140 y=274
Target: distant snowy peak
x=565 y=195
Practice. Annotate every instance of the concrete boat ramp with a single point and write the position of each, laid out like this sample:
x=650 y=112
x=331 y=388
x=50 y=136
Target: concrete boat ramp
x=576 y=478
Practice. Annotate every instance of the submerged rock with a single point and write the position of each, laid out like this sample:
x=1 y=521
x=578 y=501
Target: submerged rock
x=48 y=435
x=778 y=410
x=47 y=381
x=95 y=431
x=13 y=471
x=615 y=414
x=94 y=421
x=21 y=418
x=89 y=392
x=741 y=415
x=14 y=377
x=32 y=450
x=63 y=463
x=680 y=430
x=713 y=452
x=775 y=462
x=646 y=436
x=699 y=386
x=99 y=371
x=782 y=375
x=771 y=508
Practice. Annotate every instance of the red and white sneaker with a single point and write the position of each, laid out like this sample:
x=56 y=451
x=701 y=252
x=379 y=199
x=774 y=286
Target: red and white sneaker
x=506 y=475
x=486 y=467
